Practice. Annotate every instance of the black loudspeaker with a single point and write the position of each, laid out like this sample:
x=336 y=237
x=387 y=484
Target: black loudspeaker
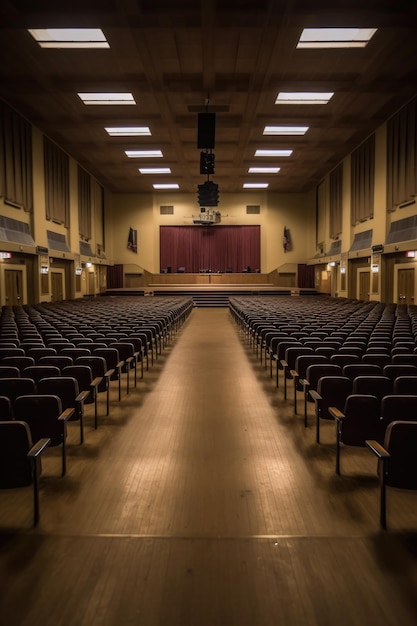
x=169 y=269
x=206 y=130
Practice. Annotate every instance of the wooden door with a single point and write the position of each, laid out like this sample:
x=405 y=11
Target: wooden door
x=91 y=283
x=57 y=289
x=14 y=287
x=364 y=285
x=405 y=281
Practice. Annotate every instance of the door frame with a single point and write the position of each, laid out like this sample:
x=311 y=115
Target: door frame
x=57 y=270
x=403 y=266
x=12 y=266
x=359 y=271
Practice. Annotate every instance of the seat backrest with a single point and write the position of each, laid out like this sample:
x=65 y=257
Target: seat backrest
x=39 y=352
x=36 y=372
x=111 y=356
x=303 y=361
x=15 y=468
x=343 y=359
x=398 y=407
x=378 y=386
x=317 y=371
x=394 y=370
x=333 y=391
x=401 y=442
x=18 y=361
x=293 y=352
x=58 y=361
x=14 y=387
x=81 y=372
x=6 y=410
x=9 y=371
x=41 y=412
x=405 y=384
x=405 y=359
x=361 y=419
x=65 y=387
x=352 y=370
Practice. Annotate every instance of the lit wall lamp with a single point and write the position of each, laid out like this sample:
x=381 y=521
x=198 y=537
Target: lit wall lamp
x=44 y=269
x=343 y=270
x=375 y=268
x=410 y=254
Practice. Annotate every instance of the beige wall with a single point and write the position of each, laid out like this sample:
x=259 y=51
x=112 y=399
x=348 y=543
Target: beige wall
x=142 y=212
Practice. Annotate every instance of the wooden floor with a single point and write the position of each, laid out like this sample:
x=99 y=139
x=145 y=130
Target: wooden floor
x=203 y=501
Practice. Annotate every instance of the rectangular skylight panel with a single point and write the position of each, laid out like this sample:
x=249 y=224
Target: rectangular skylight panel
x=69 y=37
x=107 y=98
x=302 y=97
x=285 y=130
x=155 y=170
x=255 y=185
x=166 y=186
x=264 y=170
x=128 y=131
x=138 y=154
x=335 y=37
x=268 y=153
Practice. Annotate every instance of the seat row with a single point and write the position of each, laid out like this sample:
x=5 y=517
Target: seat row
x=55 y=358
x=357 y=362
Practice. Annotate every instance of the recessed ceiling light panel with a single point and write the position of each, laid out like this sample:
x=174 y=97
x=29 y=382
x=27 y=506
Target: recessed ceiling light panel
x=285 y=130
x=69 y=37
x=268 y=153
x=255 y=185
x=155 y=170
x=107 y=98
x=335 y=37
x=264 y=170
x=166 y=186
x=302 y=97
x=128 y=131
x=139 y=154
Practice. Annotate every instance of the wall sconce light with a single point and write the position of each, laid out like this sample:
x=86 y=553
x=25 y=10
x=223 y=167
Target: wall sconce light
x=410 y=254
x=88 y=264
x=375 y=269
x=44 y=269
x=343 y=270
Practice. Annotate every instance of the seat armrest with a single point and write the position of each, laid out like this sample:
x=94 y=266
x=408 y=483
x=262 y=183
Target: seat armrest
x=95 y=382
x=37 y=448
x=315 y=395
x=334 y=412
x=305 y=384
x=109 y=373
x=294 y=373
x=377 y=449
x=66 y=415
x=284 y=363
x=82 y=396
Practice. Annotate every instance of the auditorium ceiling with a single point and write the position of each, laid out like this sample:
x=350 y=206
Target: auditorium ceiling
x=176 y=59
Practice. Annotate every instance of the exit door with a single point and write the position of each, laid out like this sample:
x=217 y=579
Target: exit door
x=364 y=285
x=405 y=286
x=13 y=280
x=57 y=289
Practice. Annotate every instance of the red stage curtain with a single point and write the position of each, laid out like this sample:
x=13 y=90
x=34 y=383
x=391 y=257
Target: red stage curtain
x=210 y=248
